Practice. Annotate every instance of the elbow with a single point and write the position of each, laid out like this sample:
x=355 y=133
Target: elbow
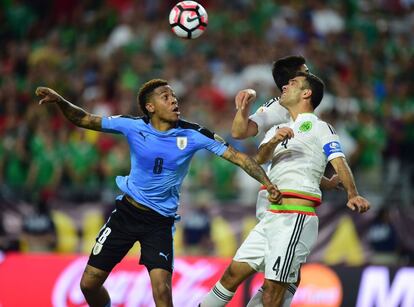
x=238 y=134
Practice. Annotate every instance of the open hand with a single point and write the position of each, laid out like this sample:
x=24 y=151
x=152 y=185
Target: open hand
x=359 y=204
x=244 y=98
x=47 y=95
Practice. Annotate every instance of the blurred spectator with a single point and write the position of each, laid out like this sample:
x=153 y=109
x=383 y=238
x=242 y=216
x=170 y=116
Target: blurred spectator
x=196 y=225
x=383 y=240
x=39 y=234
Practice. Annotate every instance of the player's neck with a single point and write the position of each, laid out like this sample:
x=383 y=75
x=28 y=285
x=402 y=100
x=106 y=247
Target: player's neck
x=162 y=125
x=296 y=110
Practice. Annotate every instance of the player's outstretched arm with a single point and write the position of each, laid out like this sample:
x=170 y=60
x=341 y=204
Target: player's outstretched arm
x=355 y=201
x=251 y=167
x=73 y=113
x=331 y=183
x=266 y=150
x=242 y=127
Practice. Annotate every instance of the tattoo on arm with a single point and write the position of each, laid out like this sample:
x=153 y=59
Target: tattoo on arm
x=80 y=117
x=249 y=165
x=265 y=151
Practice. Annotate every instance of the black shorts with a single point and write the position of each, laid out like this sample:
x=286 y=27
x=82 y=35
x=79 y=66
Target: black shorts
x=128 y=224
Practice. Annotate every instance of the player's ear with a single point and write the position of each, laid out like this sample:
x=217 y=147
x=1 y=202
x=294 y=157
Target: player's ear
x=307 y=93
x=150 y=107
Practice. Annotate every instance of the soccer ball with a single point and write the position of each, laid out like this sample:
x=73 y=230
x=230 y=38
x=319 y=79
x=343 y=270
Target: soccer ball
x=188 y=19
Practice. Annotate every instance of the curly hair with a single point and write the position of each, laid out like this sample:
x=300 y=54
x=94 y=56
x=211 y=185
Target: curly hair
x=146 y=90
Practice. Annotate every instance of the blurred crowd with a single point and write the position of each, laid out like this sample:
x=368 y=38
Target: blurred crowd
x=98 y=53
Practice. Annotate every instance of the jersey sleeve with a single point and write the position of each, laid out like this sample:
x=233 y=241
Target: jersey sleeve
x=211 y=141
x=117 y=124
x=330 y=141
x=269 y=134
x=270 y=114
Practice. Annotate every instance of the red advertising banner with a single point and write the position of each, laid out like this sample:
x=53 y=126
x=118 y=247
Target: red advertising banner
x=53 y=280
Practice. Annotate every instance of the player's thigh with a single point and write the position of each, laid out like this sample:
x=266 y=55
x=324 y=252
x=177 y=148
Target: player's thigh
x=290 y=239
x=252 y=250
x=113 y=241
x=157 y=250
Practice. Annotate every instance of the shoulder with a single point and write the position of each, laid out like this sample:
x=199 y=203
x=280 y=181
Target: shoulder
x=272 y=106
x=325 y=127
x=131 y=118
x=272 y=101
x=138 y=119
x=196 y=128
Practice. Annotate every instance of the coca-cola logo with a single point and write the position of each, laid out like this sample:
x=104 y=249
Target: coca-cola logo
x=132 y=287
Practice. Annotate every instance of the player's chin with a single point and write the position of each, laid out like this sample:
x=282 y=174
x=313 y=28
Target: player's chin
x=174 y=117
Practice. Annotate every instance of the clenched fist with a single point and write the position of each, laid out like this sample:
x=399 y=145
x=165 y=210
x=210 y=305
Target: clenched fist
x=244 y=98
x=47 y=95
x=282 y=134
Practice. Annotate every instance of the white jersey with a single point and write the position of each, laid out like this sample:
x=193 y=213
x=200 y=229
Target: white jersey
x=298 y=164
x=270 y=114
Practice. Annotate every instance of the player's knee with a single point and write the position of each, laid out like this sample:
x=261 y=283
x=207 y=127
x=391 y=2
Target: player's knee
x=87 y=287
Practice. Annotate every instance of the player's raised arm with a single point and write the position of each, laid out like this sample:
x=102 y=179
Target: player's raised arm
x=74 y=114
x=251 y=167
x=243 y=127
x=267 y=148
x=355 y=201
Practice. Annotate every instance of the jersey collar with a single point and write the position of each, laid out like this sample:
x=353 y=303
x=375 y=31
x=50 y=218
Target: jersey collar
x=303 y=116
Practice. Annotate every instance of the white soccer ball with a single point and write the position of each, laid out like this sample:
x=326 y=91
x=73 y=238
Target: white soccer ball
x=188 y=19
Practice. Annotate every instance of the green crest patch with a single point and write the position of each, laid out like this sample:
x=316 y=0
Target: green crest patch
x=306 y=126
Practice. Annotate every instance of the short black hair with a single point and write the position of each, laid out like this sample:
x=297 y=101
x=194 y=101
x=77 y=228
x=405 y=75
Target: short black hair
x=316 y=85
x=146 y=90
x=286 y=68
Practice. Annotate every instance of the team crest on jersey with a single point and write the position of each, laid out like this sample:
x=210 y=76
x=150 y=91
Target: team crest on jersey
x=306 y=126
x=181 y=142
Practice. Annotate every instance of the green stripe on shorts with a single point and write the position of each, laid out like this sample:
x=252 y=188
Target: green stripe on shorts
x=278 y=207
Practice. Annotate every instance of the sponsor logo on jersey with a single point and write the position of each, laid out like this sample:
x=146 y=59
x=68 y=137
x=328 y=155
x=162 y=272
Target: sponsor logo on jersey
x=305 y=126
x=181 y=142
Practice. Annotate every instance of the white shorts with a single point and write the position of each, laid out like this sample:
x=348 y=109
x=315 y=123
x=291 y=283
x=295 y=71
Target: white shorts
x=262 y=204
x=279 y=244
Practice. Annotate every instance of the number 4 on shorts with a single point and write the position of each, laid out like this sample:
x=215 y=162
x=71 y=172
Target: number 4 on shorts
x=276 y=265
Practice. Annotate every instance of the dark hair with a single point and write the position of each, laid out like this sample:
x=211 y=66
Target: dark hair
x=286 y=68
x=316 y=85
x=146 y=90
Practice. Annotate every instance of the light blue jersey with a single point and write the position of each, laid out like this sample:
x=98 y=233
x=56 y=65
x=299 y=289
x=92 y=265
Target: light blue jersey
x=159 y=159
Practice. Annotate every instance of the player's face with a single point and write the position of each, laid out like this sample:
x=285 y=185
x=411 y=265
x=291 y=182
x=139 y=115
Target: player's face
x=163 y=104
x=291 y=92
